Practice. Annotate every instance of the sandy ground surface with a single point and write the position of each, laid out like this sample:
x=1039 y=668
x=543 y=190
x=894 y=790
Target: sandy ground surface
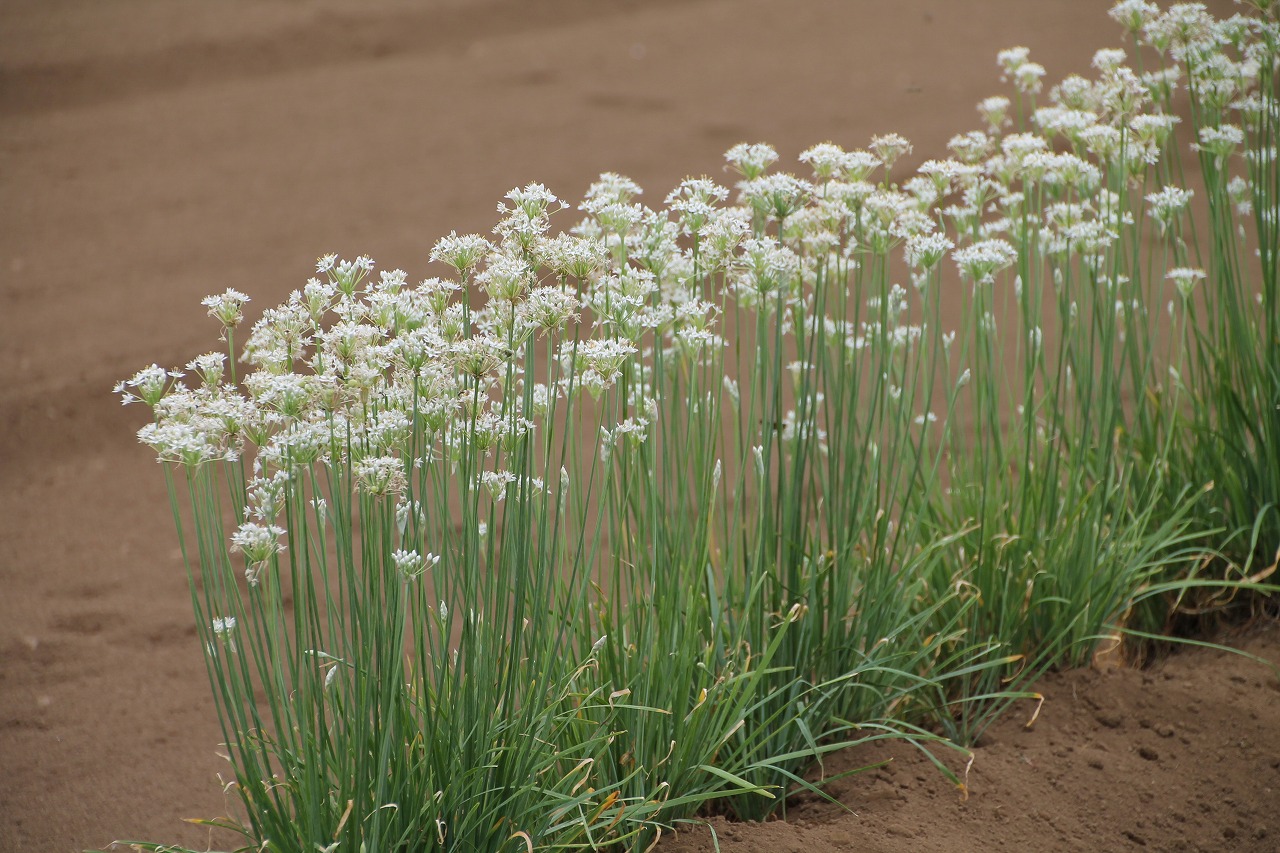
x=155 y=151
x=1181 y=758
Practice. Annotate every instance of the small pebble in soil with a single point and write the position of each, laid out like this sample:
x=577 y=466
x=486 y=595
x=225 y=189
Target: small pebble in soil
x=1148 y=753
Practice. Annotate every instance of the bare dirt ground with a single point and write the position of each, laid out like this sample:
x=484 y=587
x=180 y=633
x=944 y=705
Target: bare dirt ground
x=156 y=151
x=1183 y=757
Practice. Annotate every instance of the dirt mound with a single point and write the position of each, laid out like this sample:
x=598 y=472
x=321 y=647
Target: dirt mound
x=1182 y=757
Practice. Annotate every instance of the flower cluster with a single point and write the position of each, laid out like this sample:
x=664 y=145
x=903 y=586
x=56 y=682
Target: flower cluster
x=382 y=377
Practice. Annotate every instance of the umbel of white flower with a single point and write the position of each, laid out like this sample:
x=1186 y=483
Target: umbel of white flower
x=259 y=543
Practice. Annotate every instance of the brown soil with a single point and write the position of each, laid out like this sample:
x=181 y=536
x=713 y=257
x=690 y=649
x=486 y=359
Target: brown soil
x=1182 y=757
x=156 y=151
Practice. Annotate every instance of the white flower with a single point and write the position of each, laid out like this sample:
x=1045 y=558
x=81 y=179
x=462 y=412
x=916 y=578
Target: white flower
x=506 y=277
x=971 y=147
x=1108 y=58
x=612 y=188
x=751 y=160
x=477 y=356
x=1185 y=278
x=1152 y=128
x=1169 y=200
x=209 y=368
x=779 y=195
x=411 y=564
x=266 y=495
x=1220 y=141
x=290 y=394
x=1028 y=78
x=945 y=172
x=1102 y=140
x=769 y=265
x=223 y=626
x=226 y=307
x=534 y=200
x=889 y=147
x=982 y=260
x=461 y=252
x=694 y=203
x=605 y=357
x=1133 y=15
x=1011 y=59
x=1167 y=204
x=188 y=443
x=548 y=308
x=859 y=164
x=390 y=281
x=149 y=383
x=827 y=160
x=577 y=257
x=526 y=220
x=381 y=475
x=731 y=387
x=1018 y=146
x=1184 y=24
x=1241 y=193
x=496 y=482
x=796 y=429
x=299 y=443
x=636 y=430
x=259 y=543
x=926 y=250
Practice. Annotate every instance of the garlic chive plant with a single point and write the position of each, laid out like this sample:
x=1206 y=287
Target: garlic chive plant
x=612 y=521
x=1227 y=302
